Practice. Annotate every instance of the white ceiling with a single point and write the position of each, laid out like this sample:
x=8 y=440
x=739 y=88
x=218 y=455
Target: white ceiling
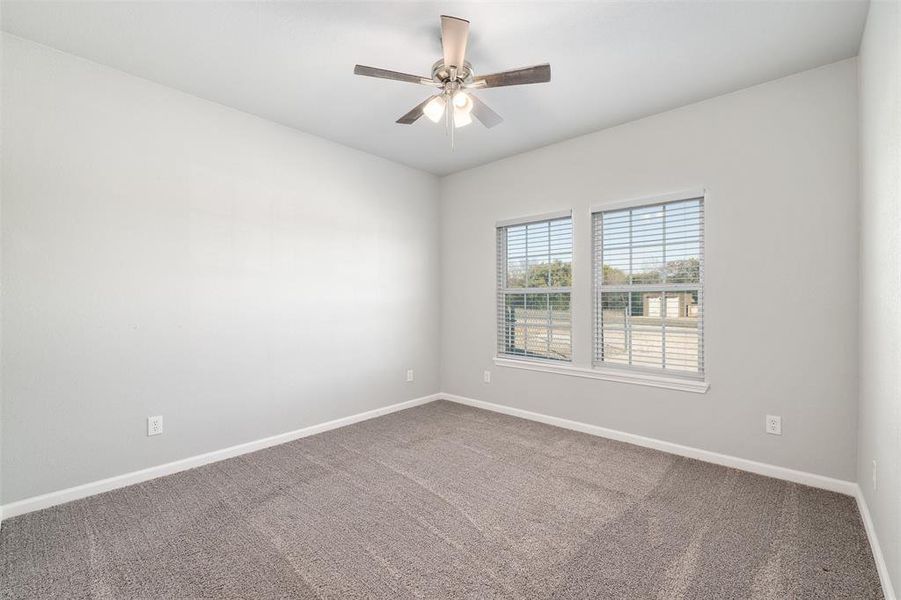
x=292 y=62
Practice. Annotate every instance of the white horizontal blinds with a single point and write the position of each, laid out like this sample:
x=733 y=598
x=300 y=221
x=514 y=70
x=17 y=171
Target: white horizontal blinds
x=649 y=297
x=534 y=289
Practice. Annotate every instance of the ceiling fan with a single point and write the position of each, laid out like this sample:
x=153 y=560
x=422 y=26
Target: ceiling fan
x=454 y=77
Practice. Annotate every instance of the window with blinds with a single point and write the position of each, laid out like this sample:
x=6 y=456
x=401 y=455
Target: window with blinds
x=534 y=288
x=648 y=287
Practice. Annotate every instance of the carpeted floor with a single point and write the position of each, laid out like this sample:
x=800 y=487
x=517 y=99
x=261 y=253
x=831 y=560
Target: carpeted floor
x=446 y=501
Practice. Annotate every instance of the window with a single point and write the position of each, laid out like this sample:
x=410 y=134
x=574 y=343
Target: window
x=534 y=289
x=648 y=287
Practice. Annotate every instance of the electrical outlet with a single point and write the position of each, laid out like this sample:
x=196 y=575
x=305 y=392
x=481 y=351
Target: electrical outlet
x=155 y=425
x=875 y=483
x=774 y=425
x=409 y=375
x=486 y=376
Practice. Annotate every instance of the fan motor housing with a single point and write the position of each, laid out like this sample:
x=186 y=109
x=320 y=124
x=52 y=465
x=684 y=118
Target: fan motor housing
x=442 y=73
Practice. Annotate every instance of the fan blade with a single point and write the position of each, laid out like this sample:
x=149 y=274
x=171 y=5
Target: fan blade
x=454 y=35
x=485 y=115
x=394 y=75
x=536 y=74
x=412 y=116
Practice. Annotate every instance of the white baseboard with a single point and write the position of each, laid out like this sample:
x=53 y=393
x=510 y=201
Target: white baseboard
x=887 y=590
x=34 y=503
x=841 y=486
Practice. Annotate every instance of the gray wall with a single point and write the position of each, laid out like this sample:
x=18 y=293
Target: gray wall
x=880 y=289
x=780 y=163
x=167 y=255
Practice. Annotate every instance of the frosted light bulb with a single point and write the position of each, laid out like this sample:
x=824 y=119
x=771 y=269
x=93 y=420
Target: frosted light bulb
x=434 y=110
x=461 y=117
x=463 y=101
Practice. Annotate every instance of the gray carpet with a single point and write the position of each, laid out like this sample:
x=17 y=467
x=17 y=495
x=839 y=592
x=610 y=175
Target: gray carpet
x=446 y=501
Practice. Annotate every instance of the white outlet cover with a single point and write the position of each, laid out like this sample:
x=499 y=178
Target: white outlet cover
x=155 y=425
x=486 y=376
x=774 y=425
x=409 y=375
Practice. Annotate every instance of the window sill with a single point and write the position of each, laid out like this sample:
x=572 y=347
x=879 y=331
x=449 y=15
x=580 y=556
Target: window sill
x=618 y=376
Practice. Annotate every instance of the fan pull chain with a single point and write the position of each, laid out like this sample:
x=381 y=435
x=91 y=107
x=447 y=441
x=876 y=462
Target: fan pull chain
x=453 y=126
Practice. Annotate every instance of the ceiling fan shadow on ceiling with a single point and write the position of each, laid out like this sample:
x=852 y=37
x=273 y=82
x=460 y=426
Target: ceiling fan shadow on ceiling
x=453 y=76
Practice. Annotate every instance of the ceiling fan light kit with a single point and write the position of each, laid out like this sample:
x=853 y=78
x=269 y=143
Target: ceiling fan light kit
x=454 y=77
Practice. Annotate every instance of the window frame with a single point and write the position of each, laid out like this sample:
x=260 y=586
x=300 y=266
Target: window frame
x=641 y=373
x=501 y=289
